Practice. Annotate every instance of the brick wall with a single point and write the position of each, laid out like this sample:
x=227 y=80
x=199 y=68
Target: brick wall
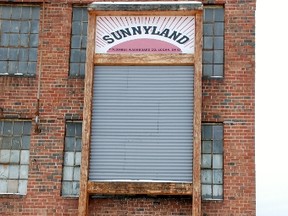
x=229 y=100
x=232 y=101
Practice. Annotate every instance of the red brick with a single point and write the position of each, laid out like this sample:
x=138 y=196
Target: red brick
x=230 y=100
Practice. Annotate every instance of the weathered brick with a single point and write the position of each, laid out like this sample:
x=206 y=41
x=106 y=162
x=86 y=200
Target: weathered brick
x=230 y=100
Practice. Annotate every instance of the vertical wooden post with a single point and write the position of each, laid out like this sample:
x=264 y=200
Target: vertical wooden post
x=86 y=132
x=196 y=203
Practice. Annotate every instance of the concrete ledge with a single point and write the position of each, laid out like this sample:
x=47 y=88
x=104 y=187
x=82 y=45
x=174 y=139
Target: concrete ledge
x=146 y=6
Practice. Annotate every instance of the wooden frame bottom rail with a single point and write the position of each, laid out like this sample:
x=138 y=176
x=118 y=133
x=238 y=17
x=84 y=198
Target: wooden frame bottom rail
x=139 y=188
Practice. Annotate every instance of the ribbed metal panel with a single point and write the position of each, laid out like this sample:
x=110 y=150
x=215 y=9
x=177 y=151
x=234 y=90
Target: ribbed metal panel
x=142 y=123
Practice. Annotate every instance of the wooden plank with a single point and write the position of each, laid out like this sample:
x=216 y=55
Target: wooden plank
x=144 y=59
x=84 y=196
x=196 y=205
x=140 y=188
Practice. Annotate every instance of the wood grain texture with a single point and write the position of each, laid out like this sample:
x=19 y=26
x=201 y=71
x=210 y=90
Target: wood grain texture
x=196 y=206
x=137 y=188
x=84 y=196
x=144 y=59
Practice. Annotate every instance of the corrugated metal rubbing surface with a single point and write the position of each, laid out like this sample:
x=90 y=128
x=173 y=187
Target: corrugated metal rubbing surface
x=142 y=123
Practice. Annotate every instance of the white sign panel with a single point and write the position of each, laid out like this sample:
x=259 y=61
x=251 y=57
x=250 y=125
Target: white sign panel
x=145 y=34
